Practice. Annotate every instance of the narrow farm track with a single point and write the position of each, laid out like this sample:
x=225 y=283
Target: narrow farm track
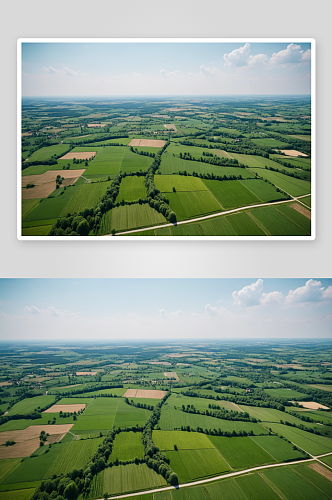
x=224 y=476
x=218 y=214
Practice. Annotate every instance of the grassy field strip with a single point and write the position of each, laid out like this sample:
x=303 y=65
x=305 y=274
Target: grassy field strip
x=209 y=480
x=197 y=219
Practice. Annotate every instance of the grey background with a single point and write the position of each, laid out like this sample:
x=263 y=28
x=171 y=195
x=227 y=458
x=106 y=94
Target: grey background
x=154 y=18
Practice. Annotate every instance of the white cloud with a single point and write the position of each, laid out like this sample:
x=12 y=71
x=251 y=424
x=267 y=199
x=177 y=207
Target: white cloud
x=64 y=71
x=238 y=57
x=50 y=311
x=271 y=298
x=249 y=295
x=32 y=310
x=170 y=74
x=176 y=314
x=258 y=59
x=204 y=70
x=4 y=315
x=216 y=311
x=311 y=294
x=292 y=55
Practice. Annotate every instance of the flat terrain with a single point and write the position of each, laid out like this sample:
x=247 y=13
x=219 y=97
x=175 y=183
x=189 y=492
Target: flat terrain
x=212 y=156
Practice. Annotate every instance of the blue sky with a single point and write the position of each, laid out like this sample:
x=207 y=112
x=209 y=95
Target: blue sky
x=114 y=309
x=165 y=68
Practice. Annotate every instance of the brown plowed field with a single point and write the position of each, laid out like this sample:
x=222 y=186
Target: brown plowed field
x=311 y=405
x=300 y=208
x=321 y=470
x=291 y=152
x=65 y=408
x=18 y=450
x=79 y=155
x=141 y=393
x=150 y=143
x=32 y=432
x=27 y=440
x=45 y=183
x=97 y=125
x=92 y=374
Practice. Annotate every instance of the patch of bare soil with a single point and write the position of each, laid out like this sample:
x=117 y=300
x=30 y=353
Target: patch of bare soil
x=18 y=450
x=65 y=408
x=311 y=405
x=291 y=152
x=150 y=143
x=321 y=470
x=92 y=374
x=82 y=155
x=97 y=125
x=300 y=208
x=141 y=393
x=45 y=183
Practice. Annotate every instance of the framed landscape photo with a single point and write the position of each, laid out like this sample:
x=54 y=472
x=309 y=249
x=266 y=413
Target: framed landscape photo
x=166 y=139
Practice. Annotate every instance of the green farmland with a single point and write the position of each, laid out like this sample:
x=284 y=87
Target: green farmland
x=215 y=158
x=204 y=425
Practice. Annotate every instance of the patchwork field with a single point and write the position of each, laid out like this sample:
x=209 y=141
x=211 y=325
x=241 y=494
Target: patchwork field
x=216 y=154
x=241 y=452
x=130 y=217
x=142 y=393
x=195 y=464
x=127 y=446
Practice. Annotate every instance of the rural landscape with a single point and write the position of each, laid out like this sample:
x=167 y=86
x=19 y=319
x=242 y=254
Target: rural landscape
x=172 y=420
x=206 y=165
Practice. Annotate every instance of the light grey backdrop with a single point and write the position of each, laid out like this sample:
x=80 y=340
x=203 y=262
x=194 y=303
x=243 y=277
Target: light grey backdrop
x=169 y=18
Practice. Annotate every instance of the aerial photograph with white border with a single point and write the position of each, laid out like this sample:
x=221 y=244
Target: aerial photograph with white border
x=165 y=138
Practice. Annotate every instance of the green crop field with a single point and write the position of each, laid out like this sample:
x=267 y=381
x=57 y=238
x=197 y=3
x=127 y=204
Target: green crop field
x=281 y=220
x=24 y=494
x=30 y=404
x=272 y=415
x=270 y=143
x=126 y=478
x=35 y=468
x=7 y=465
x=293 y=485
x=130 y=217
x=76 y=454
x=241 y=452
x=127 y=446
x=285 y=393
x=46 y=153
x=291 y=185
x=165 y=440
x=107 y=161
x=53 y=206
x=193 y=204
x=172 y=419
x=36 y=230
x=171 y=165
x=133 y=162
x=85 y=196
x=166 y=183
x=195 y=464
x=263 y=190
x=232 y=194
x=132 y=189
x=256 y=488
x=327 y=460
x=278 y=448
x=306 y=200
x=307 y=441
x=28 y=206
